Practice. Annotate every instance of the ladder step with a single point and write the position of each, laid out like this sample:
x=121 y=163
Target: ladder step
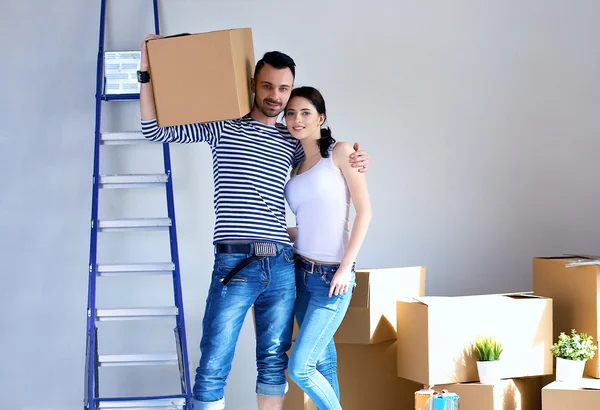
x=132 y=180
x=119 y=97
x=123 y=138
x=135 y=313
x=125 y=269
x=174 y=403
x=133 y=224
x=158 y=359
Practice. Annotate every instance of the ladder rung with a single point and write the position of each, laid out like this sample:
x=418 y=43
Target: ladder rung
x=122 y=138
x=121 y=269
x=136 y=313
x=132 y=180
x=134 y=224
x=157 y=359
x=145 y=404
x=120 y=97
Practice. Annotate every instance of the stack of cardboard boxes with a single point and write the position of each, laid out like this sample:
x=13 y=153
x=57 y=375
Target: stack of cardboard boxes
x=575 y=291
x=393 y=340
x=433 y=337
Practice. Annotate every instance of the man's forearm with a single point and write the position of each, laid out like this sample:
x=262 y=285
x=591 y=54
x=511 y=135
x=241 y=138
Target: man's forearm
x=147 y=107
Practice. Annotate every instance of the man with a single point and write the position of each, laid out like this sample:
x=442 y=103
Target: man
x=254 y=264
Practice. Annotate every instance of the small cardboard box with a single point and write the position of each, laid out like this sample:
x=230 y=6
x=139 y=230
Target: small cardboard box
x=435 y=336
x=576 y=295
x=371 y=316
x=562 y=396
x=367 y=379
x=202 y=77
x=509 y=394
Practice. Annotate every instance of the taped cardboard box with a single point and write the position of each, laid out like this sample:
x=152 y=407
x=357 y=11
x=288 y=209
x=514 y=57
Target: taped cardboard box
x=203 y=77
x=371 y=316
x=576 y=292
x=367 y=379
x=509 y=394
x=435 y=336
x=563 y=396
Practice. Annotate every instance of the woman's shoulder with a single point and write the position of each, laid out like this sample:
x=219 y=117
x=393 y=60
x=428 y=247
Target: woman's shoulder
x=342 y=148
x=340 y=152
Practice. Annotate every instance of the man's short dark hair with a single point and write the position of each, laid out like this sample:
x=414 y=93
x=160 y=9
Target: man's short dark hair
x=277 y=60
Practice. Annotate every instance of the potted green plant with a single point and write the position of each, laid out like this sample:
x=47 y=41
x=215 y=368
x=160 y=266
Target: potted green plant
x=487 y=352
x=571 y=352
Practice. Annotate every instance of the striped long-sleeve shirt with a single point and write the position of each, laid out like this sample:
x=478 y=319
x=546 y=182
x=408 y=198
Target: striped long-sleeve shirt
x=251 y=163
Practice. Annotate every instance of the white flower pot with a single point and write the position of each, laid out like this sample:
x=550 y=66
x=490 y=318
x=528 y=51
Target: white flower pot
x=489 y=372
x=569 y=371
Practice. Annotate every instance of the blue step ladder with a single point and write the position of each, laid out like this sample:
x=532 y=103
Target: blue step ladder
x=99 y=270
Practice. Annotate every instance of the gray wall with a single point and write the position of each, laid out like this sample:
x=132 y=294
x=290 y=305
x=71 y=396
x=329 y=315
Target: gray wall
x=481 y=121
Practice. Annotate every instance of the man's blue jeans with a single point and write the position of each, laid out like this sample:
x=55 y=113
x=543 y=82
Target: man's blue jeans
x=270 y=286
x=313 y=361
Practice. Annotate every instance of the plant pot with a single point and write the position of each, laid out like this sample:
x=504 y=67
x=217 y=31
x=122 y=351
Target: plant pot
x=489 y=372
x=569 y=371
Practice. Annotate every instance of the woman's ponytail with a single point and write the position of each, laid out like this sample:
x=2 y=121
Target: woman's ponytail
x=325 y=142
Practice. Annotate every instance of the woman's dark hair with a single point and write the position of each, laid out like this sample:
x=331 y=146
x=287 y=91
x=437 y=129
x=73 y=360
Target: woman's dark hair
x=277 y=60
x=316 y=98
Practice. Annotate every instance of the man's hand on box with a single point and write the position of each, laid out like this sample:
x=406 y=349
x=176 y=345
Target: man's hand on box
x=144 y=58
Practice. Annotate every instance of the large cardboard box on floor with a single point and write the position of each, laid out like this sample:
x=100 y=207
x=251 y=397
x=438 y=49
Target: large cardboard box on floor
x=202 y=77
x=435 y=336
x=576 y=293
x=371 y=316
x=581 y=396
x=367 y=379
x=509 y=394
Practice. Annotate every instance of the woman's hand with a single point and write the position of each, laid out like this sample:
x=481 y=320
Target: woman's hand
x=341 y=280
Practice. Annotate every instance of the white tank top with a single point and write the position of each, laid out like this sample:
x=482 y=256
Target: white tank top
x=320 y=199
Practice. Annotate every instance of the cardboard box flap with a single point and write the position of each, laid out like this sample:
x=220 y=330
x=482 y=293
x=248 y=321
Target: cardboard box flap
x=569 y=256
x=434 y=301
x=178 y=35
x=524 y=295
x=580 y=256
x=574 y=260
x=387 y=283
x=361 y=296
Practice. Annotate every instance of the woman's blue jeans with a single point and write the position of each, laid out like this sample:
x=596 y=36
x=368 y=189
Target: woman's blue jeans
x=313 y=361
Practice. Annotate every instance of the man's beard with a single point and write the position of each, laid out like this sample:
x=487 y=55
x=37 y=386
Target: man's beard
x=268 y=111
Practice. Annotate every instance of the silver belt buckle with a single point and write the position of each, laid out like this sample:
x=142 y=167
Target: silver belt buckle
x=265 y=249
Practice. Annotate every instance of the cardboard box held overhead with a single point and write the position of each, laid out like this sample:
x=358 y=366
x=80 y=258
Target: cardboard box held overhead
x=509 y=394
x=204 y=77
x=435 y=336
x=371 y=316
x=576 y=292
x=367 y=379
x=562 y=396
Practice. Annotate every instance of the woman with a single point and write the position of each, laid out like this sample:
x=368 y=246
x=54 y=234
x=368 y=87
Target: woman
x=319 y=193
